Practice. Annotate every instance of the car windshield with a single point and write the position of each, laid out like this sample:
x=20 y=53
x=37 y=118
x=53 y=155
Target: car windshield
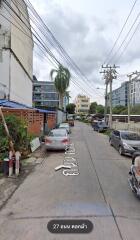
x=130 y=136
x=63 y=126
x=57 y=133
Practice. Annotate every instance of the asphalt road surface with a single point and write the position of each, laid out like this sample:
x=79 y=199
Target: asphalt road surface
x=100 y=193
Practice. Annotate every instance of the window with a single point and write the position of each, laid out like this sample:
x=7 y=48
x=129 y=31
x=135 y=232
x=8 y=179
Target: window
x=117 y=133
x=85 y=101
x=86 y=106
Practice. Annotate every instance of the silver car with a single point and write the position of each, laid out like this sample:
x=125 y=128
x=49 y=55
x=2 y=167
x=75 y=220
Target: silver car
x=57 y=139
x=126 y=142
x=65 y=126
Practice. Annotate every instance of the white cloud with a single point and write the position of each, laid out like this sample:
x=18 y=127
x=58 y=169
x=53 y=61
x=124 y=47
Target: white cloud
x=87 y=30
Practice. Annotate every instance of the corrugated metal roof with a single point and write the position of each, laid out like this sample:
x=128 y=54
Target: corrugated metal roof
x=44 y=111
x=11 y=104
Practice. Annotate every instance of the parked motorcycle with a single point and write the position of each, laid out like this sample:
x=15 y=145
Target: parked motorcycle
x=134 y=179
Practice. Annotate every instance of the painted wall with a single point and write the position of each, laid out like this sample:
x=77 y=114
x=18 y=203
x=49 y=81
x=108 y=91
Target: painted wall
x=21 y=41
x=21 y=85
x=61 y=116
x=4 y=72
x=16 y=73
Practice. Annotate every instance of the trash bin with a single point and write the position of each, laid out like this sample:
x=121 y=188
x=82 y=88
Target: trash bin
x=6 y=166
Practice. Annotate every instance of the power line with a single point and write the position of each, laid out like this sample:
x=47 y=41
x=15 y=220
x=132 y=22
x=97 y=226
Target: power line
x=72 y=63
x=36 y=37
x=126 y=46
x=28 y=27
x=125 y=38
x=121 y=31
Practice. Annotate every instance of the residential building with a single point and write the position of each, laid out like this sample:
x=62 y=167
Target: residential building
x=120 y=95
x=82 y=103
x=16 y=53
x=45 y=94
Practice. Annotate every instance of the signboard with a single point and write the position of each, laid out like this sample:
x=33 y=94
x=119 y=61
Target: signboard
x=35 y=143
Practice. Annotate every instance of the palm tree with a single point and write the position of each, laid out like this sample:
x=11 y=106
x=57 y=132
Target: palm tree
x=61 y=81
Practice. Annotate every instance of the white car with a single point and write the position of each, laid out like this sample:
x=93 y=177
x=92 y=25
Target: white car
x=65 y=126
x=57 y=139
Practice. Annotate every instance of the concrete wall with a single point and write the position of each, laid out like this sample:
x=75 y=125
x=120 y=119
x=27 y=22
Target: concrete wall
x=16 y=54
x=21 y=44
x=124 y=126
x=21 y=85
x=61 y=116
x=4 y=72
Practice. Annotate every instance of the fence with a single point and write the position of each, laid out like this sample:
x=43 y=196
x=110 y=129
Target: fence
x=135 y=127
x=33 y=118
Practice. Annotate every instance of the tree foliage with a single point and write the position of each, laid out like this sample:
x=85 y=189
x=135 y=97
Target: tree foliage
x=100 y=109
x=61 y=78
x=18 y=132
x=71 y=108
x=93 y=107
x=119 y=109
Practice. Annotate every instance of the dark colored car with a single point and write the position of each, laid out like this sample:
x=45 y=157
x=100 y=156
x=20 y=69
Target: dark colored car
x=99 y=126
x=126 y=142
x=71 y=121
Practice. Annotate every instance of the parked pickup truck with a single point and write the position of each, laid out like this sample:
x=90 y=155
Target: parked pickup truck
x=99 y=126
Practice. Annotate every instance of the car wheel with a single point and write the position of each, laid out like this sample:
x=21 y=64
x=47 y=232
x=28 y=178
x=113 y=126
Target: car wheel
x=121 y=150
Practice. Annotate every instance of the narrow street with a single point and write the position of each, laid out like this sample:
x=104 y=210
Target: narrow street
x=100 y=193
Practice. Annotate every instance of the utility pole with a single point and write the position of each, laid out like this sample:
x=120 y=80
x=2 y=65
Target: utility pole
x=109 y=74
x=106 y=101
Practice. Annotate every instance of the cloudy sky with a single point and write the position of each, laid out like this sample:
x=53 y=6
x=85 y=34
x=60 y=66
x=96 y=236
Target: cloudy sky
x=87 y=29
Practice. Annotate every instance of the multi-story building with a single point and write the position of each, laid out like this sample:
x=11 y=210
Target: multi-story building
x=120 y=95
x=82 y=104
x=135 y=92
x=45 y=94
x=16 y=53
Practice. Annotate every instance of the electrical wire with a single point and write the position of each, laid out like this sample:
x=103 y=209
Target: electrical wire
x=126 y=46
x=126 y=36
x=120 y=33
x=17 y=16
x=30 y=6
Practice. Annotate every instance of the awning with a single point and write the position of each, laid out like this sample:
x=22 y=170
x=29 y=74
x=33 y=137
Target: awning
x=12 y=104
x=44 y=111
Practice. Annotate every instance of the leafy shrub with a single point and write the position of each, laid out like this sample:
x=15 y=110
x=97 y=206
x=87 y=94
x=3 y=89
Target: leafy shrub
x=18 y=132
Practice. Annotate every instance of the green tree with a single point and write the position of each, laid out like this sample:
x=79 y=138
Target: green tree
x=18 y=132
x=135 y=109
x=93 y=107
x=71 y=108
x=100 y=109
x=118 y=109
x=61 y=78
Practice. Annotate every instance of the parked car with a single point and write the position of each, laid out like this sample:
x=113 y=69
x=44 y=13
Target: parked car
x=65 y=126
x=99 y=126
x=57 y=139
x=77 y=118
x=126 y=142
x=71 y=121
